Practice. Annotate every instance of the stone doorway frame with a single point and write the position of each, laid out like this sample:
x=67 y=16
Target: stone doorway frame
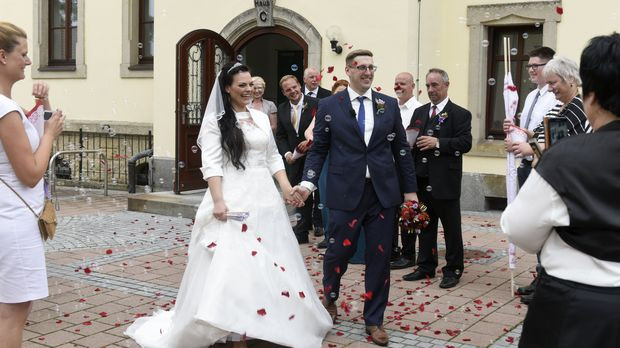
x=245 y=23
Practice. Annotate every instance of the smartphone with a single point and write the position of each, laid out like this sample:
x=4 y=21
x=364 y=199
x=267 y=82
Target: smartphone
x=534 y=145
x=47 y=115
x=556 y=128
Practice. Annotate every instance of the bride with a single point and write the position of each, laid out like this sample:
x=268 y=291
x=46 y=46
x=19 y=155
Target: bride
x=244 y=279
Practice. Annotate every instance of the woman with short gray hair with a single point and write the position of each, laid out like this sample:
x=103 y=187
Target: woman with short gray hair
x=562 y=76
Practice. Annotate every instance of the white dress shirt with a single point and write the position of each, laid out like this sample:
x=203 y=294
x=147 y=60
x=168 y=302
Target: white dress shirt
x=369 y=115
x=529 y=222
x=407 y=109
x=315 y=92
x=440 y=107
x=300 y=108
x=545 y=102
x=369 y=123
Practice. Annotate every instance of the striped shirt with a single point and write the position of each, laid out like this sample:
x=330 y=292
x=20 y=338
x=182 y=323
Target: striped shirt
x=574 y=114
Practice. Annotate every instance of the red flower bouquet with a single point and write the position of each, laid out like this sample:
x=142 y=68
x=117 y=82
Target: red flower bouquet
x=413 y=216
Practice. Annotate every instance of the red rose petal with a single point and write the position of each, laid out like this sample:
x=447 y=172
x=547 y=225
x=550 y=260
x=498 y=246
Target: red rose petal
x=109 y=251
x=378 y=88
x=302 y=295
x=437 y=332
x=330 y=69
x=335 y=78
x=559 y=10
x=291 y=317
x=285 y=293
x=254 y=253
x=87 y=270
x=261 y=312
x=339 y=333
x=380 y=247
x=259 y=239
x=466 y=339
x=346 y=242
x=282 y=268
x=87 y=323
x=103 y=314
x=367 y=296
x=244 y=228
x=352 y=223
x=212 y=245
x=58 y=321
x=510 y=339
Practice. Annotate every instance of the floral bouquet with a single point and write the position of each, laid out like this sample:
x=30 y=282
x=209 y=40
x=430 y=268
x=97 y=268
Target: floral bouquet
x=413 y=216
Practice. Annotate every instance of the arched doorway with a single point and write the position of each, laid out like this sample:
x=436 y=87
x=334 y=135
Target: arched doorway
x=294 y=42
x=272 y=53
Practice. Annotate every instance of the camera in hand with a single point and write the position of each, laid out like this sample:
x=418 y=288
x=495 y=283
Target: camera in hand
x=47 y=115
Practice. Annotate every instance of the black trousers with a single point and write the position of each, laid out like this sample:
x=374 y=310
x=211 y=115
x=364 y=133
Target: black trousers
x=449 y=211
x=407 y=240
x=344 y=228
x=568 y=314
x=317 y=217
x=523 y=171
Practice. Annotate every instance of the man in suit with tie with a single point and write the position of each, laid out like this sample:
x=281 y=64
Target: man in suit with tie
x=294 y=116
x=311 y=84
x=368 y=152
x=444 y=136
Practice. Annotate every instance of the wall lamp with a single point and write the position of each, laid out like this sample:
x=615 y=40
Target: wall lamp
x=334 y=34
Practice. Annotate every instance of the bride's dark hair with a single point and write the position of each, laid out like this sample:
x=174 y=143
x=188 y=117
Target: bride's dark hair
x=232 y=137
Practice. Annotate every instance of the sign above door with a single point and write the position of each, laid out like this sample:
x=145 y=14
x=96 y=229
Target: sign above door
x=264 y=12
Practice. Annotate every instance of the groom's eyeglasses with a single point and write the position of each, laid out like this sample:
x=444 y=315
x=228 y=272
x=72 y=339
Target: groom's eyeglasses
x=363 y=68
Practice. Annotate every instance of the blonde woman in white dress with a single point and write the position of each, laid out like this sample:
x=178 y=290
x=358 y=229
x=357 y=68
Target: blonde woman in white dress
x=24 y=156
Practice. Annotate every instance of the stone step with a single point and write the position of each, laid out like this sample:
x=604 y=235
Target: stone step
x=167 y=203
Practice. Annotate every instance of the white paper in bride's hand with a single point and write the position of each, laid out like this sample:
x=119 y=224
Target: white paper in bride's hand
x=294 y=219
x=412 y=135
x=238 y=216
x=297 y=155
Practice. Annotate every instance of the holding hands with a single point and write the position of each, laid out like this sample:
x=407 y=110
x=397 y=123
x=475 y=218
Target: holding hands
x=297 y=196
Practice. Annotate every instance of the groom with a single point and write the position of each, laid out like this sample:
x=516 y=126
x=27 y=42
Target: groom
x=363 y=133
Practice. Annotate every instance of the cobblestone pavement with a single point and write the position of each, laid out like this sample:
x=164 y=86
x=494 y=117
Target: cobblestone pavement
x=108 y=266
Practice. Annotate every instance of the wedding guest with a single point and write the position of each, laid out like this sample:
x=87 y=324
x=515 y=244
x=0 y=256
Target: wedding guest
x=259 y=103
x=538 y=103
x=404 y=88
x=24 y=157
x=568 y=211
x=294 y=117
x=562 y=77
x=243 y=278
x=445 y=135
x=312 y=86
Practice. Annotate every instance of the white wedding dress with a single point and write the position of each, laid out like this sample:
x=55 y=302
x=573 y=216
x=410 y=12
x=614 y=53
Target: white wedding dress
x=243 y=279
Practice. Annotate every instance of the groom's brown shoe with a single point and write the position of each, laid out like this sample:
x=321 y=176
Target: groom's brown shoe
x=332 y=309
x=378 y=335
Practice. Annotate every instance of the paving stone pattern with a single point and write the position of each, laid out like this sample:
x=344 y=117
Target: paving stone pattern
x=108 y=266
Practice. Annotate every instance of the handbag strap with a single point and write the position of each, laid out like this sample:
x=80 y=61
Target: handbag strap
x=20 y=197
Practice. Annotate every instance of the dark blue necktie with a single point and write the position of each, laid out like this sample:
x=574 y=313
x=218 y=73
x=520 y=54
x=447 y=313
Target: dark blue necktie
x=361 y=115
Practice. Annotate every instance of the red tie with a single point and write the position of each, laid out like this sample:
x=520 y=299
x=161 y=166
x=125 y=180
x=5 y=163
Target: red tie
x=434 y=113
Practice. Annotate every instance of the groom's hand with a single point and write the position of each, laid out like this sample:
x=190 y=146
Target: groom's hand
x=412 y=196
x=301 y=192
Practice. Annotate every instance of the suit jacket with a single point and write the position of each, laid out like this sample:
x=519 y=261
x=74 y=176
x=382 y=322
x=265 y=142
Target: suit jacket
x=443 y=166
x=321 y=93
x=340 y=136
x=286 y=137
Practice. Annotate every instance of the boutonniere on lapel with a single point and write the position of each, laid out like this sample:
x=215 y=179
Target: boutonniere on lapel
x=380 y=106
x=305 y=106
x=442 y=117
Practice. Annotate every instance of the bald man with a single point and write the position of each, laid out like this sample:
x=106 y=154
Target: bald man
x=404 y=88
x=311 y=84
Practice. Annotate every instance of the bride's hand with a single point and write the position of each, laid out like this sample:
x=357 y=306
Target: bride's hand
x=220 y=210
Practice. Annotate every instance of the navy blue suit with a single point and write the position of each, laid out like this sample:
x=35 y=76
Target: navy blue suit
x=354 y=200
